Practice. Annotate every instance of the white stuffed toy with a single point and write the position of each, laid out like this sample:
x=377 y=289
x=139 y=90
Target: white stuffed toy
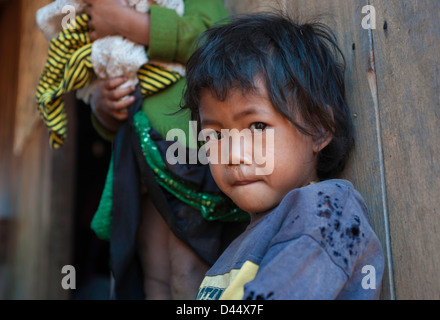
x=112 y=56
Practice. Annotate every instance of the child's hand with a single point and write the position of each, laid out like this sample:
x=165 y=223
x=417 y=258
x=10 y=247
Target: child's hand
x=114 y=17
x=102 y=13
x=108 y=104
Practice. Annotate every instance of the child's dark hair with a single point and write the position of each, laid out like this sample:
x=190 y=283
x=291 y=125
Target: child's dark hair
x=297 y=64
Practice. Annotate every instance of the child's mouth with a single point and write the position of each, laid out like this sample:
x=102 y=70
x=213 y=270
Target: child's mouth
x=244 y=182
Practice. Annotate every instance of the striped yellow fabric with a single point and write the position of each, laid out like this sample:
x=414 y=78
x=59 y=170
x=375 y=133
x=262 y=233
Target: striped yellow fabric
x=69 y=68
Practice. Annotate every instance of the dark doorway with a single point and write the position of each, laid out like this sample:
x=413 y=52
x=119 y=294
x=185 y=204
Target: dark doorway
x=91 y=255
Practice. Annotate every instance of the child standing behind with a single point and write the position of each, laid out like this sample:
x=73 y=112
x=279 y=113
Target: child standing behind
x=160 y=245
x=309 y=235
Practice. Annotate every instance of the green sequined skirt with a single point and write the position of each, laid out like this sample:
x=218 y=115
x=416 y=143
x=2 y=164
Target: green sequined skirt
x=188 y=188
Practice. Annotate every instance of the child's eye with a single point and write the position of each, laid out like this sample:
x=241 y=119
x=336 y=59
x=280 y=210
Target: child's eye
x=214 y=135
x=258 y=126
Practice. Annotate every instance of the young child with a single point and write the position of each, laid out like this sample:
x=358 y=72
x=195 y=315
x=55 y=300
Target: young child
x=309 y=235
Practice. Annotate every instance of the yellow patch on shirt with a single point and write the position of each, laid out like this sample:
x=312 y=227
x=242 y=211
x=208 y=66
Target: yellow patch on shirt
x=228 y=286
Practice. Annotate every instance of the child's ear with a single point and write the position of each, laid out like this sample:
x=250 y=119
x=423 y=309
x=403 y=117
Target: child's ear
x=326 y=136
x=322 y=142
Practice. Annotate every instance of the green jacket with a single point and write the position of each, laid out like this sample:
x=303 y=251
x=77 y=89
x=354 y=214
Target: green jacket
x=172 y=39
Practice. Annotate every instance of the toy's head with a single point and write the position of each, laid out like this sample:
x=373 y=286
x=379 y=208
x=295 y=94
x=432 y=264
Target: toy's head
x=51 y=18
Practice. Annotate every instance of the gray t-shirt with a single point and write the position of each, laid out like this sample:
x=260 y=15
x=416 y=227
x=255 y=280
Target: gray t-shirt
x=316 y=244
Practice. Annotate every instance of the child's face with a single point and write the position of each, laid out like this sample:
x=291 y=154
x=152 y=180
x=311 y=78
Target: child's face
x=292 y=164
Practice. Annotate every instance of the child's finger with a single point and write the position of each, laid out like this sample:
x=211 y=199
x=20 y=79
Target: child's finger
x=120 y=115
x=115 y=82
x=93 y=36
x=121 y=104
x=119 y=93
x=88 y=10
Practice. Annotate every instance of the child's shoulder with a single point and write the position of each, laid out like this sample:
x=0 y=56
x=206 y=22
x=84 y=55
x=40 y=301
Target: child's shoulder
x=324 y=200
x=331 y=213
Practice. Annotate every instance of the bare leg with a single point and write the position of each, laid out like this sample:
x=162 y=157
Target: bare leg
x=153 y=237
x=187 y=270
x=172 y=270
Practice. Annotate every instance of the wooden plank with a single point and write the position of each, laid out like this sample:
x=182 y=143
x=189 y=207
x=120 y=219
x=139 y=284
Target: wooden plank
x=9 y=19
x=26 y=180
x=32 y=40
x=9 y=42
x=363 y=170
x=43 y=204
x=248 y=6
x=364 y=167
x=30 y=183
x=4 y=3
x=41 y=185
x=407 y=45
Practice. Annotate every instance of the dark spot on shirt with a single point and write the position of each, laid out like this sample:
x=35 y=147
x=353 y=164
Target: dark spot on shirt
x=253 y=296
x=325 y=206
x=330 y=240
x=325 y=213
x=341 y=236
x=295 y=218
x=328 y=205
x=355 y=231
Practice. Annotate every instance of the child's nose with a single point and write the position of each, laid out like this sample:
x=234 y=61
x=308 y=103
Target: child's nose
x=240 y=148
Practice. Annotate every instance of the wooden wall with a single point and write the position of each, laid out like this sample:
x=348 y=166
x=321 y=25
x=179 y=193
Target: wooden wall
x=393 y=90
x=8 y=80
x=35 y=182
